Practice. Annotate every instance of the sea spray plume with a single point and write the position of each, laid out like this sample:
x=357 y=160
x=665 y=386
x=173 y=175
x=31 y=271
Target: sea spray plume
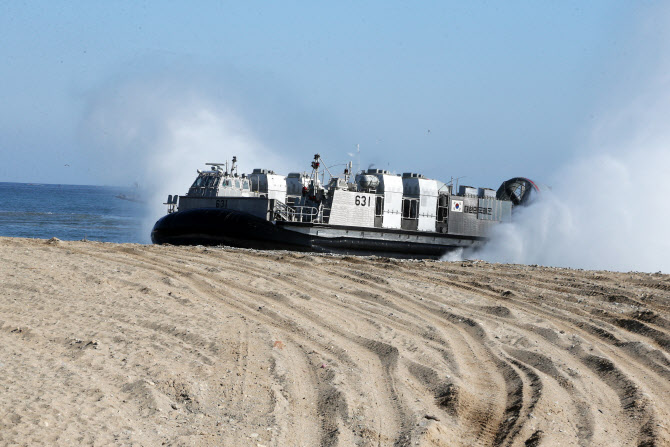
x=454 y=255
x=158 y=132
x=608 y=208
x=527 y=239
x=605 y=211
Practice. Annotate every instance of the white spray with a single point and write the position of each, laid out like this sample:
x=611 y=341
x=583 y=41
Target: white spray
x=608 y=209
x=158 y=132
x=607 y=213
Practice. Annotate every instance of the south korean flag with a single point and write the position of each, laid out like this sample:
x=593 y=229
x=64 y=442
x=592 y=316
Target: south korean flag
x=457 y=206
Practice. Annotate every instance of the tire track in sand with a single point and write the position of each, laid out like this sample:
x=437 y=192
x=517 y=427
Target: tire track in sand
x=278 y=348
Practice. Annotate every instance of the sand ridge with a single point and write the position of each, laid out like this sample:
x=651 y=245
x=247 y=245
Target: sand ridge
x=124 y=344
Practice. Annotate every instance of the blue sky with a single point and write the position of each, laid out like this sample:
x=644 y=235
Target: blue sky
x=486 y=90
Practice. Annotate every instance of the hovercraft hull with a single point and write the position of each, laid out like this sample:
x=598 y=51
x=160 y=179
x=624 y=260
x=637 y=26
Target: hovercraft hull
x=215 y=226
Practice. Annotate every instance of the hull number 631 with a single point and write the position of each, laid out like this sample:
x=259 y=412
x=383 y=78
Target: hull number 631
x=363 y=201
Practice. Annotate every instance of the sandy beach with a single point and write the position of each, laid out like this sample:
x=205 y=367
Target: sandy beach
x=124 y=344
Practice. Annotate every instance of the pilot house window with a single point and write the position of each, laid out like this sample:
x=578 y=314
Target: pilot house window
x=410 y=208
x=198 y=182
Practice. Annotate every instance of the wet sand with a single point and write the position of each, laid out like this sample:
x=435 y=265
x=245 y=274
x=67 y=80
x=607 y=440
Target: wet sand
x=123 y=344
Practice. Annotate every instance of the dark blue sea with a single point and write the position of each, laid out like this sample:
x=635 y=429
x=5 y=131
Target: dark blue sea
x=71 y=212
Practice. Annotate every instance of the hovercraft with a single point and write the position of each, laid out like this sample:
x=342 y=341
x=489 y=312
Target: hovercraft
x=373 y=212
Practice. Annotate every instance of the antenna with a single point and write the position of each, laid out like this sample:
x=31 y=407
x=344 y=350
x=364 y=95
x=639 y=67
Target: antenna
x=348 y=166
x=233 y=168
x=358 y=153
x=316 y=164
x=452 y=183
x=217 y=166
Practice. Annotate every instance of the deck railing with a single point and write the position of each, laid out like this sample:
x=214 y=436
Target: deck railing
x=286 y=213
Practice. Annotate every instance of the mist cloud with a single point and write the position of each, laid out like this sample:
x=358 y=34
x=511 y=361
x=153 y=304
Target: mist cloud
x=607 y=213
x=158 y=131
x=608 y=207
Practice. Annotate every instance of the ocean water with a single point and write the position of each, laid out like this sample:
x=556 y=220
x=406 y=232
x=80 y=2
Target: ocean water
x=70 y=212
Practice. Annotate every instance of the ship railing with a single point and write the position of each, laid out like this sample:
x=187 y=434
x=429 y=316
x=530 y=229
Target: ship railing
x=172 y=203
x=305 y=214
x=283 y=211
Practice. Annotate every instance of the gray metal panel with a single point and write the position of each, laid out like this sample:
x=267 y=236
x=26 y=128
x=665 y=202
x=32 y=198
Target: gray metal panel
x=486 y=193
x=505 y=211
x=460 y=222
x=257 y=206
x=493 y=210
x=472 y=219
x=425 y=238
x=489 y=209
x=467 y=191
x=410 y=224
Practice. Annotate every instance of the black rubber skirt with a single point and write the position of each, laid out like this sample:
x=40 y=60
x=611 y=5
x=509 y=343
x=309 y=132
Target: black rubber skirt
x=213 y=226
